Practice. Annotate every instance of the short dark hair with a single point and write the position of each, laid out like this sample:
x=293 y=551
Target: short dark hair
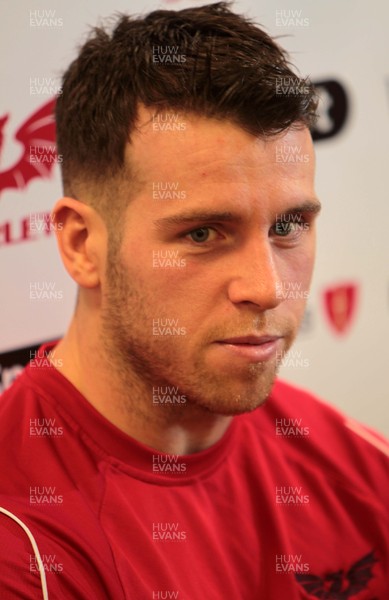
x=226 y=67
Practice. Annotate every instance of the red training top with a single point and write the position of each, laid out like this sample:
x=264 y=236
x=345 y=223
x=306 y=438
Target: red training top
x=291 y=503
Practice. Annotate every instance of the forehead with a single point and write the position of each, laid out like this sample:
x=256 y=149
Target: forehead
x=203 y=154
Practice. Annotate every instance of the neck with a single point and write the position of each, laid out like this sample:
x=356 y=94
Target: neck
x=127 y=401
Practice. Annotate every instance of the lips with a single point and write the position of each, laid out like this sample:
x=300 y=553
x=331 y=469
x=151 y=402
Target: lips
x=254 y=348
x=252 y=340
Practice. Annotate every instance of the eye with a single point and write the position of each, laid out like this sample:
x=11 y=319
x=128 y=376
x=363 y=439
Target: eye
x=284 y=229
x=290 y=229
x=200 y=235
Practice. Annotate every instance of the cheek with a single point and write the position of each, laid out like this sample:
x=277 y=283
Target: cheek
x=308 y=260
x=185 y=290
x=167 y=282
x=296 y=272
x=296 y=264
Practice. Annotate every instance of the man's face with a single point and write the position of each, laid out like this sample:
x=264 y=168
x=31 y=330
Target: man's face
x=208 y=289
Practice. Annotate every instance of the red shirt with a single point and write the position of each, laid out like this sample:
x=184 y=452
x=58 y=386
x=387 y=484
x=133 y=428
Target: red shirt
x=291 y=503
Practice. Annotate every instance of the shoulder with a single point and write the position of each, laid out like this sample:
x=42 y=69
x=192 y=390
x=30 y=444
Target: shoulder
x=20 y=573
x=44 y=555
x=324 y=419
x=50 y=488
x=301 y=429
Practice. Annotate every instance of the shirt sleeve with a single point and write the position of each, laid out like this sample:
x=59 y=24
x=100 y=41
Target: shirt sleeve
x=69 y=572
x=19 y=574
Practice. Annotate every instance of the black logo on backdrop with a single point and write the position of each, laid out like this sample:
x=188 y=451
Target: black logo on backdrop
x=333 y=109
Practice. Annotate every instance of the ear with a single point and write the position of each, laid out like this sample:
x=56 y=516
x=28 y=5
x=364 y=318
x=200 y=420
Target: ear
x=82 y=240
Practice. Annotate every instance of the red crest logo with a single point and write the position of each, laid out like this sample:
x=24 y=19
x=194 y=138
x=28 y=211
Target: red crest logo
x=38 y=155
x=340 y=304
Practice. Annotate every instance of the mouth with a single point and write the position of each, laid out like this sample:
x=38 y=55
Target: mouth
x=255 y=348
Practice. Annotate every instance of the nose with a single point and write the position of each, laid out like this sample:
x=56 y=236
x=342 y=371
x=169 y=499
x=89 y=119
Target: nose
x=254 y=277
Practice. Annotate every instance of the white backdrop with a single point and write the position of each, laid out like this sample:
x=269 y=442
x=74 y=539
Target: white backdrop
x=344 y=41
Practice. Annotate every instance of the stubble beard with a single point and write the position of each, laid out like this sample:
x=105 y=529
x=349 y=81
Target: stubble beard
x=142 y=363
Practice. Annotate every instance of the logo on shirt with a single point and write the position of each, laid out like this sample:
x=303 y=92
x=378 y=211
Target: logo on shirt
x=340 y=585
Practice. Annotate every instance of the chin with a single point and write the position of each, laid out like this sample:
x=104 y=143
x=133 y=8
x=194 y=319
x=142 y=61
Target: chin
x=234 y=411
x=237 y=405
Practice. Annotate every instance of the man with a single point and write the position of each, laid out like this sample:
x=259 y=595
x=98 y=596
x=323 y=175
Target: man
x=139 y=457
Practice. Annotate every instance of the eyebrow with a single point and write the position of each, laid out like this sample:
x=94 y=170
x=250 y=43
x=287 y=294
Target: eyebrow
x=199 y=216
x=311 y=206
